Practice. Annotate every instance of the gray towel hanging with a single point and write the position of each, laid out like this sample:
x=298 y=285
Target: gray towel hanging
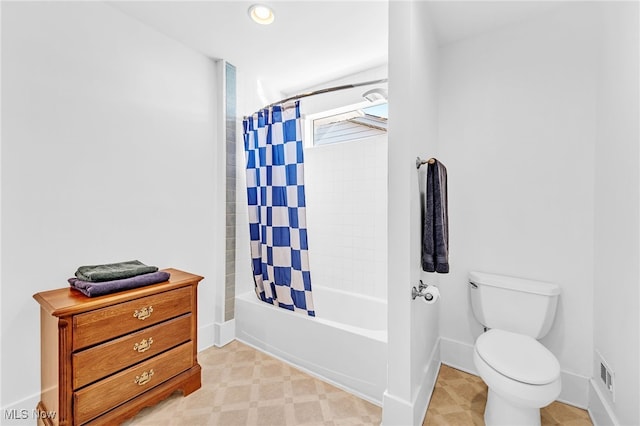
x=435 y=236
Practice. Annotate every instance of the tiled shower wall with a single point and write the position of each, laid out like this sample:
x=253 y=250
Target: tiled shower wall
x=230 y=164
x=346 y=193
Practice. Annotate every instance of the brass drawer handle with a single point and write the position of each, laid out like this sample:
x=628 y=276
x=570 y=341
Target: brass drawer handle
x=144 y=378
x=144 y=345
x=143 y=313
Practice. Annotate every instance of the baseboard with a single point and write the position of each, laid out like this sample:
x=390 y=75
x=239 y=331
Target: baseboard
x=575 y=390
x=224 y=332
x=206 y=335
x=599 y=408
x=21 y=412
x=397 y=411
x=459 y=355
x=428 y=383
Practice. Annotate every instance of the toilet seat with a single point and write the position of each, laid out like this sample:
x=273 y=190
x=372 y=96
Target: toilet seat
x=518 y=357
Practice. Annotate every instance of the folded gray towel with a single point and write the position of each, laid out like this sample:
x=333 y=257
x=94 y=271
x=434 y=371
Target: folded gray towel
x=113 y=271
x=93 y=289
x=435 y=237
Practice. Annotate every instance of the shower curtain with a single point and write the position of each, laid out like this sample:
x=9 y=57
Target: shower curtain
x=277 y=218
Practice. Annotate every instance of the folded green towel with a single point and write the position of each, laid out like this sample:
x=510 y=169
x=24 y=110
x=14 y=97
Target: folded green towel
x=113 y=271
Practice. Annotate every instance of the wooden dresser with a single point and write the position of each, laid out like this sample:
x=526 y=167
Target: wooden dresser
x=105 y=358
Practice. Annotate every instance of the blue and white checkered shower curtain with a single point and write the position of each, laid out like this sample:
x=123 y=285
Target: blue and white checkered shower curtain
x=277 y=218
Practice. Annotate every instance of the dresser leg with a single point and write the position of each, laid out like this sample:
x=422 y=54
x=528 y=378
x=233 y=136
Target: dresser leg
x=194 y=382
x=46 y=417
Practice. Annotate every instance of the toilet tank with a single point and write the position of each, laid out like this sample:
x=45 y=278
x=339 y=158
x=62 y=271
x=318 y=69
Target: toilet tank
x=513 y=304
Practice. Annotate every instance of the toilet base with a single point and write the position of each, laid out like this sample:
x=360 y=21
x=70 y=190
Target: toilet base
x=500 y=412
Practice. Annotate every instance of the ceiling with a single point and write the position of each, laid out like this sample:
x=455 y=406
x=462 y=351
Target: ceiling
x=456 y=20
x=312 y=42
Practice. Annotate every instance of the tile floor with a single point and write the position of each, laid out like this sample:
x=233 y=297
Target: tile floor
x=459 y=398
x=243 y=386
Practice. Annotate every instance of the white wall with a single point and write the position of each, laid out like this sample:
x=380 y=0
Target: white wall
x=538 y=124
x=517 y=113
x=617 y=214
x=412 y=325
x=346 y=193
x=108 y=144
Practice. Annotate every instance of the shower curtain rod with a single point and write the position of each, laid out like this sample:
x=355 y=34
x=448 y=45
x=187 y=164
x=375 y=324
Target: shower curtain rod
x=327 y=90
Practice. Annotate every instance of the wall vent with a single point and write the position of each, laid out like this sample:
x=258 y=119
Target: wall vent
x=607 y=376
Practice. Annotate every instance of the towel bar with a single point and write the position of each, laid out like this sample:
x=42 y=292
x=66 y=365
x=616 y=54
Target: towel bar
x=420 y=162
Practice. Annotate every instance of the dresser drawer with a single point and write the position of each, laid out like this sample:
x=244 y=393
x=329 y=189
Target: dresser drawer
x=104 y=324
x=108 y=358
x=100 y=397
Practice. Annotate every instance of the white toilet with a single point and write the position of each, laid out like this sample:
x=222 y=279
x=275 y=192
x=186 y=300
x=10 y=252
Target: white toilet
x=522 y=375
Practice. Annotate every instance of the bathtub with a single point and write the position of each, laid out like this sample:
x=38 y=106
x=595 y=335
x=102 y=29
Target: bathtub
x=345 y=344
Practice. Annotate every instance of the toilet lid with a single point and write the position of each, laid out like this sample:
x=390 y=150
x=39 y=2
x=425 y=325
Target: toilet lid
x=518 y=357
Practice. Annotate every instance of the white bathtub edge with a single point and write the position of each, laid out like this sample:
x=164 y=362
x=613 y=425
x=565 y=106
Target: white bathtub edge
x=362 y=296
x=363 y=375
x=379 y=335
x=311 y=373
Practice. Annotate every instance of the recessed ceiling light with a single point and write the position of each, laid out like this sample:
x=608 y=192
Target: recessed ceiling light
x=261 y=14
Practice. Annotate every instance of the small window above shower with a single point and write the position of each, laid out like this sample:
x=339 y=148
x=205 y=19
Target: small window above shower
x=352 y=123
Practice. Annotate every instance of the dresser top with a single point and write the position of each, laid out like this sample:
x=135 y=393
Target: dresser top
x=68 y=301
